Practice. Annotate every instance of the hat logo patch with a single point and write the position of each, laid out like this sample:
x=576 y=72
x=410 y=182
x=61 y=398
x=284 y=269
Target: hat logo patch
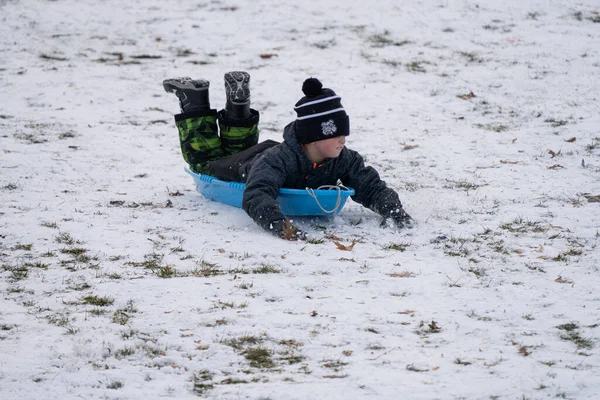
x=328 y=127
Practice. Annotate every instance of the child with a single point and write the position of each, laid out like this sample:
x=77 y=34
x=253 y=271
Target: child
x=312 y=154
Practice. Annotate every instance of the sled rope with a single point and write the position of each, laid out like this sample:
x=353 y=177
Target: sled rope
x=311 y=193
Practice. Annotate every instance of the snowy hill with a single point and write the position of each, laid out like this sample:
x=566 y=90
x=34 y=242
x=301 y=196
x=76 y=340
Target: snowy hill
x=119 y=281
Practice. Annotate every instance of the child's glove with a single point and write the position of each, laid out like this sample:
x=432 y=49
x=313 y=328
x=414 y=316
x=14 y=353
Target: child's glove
x=286 y=230
x=400 y=218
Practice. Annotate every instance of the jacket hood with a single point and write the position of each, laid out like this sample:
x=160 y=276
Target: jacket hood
x=290 y=139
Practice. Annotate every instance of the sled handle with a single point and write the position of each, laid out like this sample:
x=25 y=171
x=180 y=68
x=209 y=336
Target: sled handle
x=312 y=194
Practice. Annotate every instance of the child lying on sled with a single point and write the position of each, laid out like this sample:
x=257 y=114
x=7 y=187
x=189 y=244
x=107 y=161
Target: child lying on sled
x=312 y=154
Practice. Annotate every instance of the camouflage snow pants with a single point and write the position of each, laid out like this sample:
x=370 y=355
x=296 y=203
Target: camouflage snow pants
x=200 y=140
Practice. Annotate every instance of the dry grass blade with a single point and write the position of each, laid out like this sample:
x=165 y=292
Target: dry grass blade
x=405 y=274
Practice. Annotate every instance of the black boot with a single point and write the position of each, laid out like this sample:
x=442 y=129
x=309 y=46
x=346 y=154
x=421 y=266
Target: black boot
x=237 y=91
x=192 y=94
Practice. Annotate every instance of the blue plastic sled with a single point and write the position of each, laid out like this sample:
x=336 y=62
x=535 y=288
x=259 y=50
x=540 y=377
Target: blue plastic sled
x=293 y=202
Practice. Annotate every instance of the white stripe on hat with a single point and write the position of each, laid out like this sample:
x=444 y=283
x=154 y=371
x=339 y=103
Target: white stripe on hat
x=319 y=114
x=310 y=103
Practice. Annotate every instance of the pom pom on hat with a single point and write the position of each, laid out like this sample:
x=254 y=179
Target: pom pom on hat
x=312 y=87
x=320 y=114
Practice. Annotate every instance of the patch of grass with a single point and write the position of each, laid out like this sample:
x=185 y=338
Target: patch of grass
x=564 y=255
x=66 y=135
x=492 y=127
x=228 y=304
x=232 y=381
x=383 y=39
x=335 y=365
x=206 y=269
x=165 y=272
x=124 y=352
x=572 y=334
x=594 y=145
x=462 y=362
x=11 y=186
x=26 y=247
x=575 y=337
x=202 y=381
x=6 y=327
x=242 y=341
x=17 y=273
x=556 y=123
x=402 y=246
x=521 y=225
x=471 y=57
x=266 y=269
x=99 y=301
x=74 y=251
x=122 y=315
x=315 y=241
x=114 y=385
x=259 y=357
x=238 y=271
x=80 y=286
x=65 y=238
x=416 y=66
x=58 y=319
x=97 y=311
x=478 y=271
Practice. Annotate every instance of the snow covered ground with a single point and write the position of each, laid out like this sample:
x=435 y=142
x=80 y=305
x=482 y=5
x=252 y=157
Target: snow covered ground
x=119 y=281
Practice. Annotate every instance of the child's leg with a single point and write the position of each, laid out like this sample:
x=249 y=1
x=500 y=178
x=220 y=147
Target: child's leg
x=199 y=138
x=238 y=122
x=197 y=123
x=238 y=134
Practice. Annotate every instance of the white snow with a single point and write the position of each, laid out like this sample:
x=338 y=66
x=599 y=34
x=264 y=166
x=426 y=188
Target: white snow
x=494 y=296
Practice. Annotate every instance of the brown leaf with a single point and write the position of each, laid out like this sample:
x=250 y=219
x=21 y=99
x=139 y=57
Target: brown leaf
x=410 y=146
x=406 y=312
x=571 y=140
x=343 y=247
x=221 y=250
x=466 y=96
x=331 y=236
x=347 y=353
x=433 y=327
x=289 y=231
x=523 y=350
x=553 y=154
x=267 y=55
x=314 y=313
x=202 y=347
x=560 y=279
x=508 y=162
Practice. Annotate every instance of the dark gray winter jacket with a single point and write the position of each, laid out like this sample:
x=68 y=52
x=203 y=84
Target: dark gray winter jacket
x=286 y=165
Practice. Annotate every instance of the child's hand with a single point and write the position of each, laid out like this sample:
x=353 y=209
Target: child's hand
x=286 y=230
x=401 y=219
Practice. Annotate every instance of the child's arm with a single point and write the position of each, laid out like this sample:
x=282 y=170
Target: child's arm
x=265 y=179
x=373 y=193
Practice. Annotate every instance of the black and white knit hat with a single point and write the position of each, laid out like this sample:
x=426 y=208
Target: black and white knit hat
x=320 y=114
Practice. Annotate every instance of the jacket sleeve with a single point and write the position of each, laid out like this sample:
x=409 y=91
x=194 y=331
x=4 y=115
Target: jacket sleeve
x=265 y=178
x=370 y=190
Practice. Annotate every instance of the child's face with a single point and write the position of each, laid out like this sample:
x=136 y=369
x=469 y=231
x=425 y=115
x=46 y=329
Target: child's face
x=328 y=148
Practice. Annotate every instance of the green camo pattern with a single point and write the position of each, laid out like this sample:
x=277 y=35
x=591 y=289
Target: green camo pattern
x=200 y=142
x=235 y=139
